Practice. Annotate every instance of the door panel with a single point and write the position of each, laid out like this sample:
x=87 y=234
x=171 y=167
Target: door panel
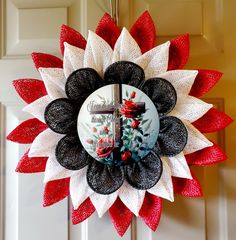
x=22 y=30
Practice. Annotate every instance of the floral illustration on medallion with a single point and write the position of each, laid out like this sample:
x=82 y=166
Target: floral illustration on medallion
x=114 y=132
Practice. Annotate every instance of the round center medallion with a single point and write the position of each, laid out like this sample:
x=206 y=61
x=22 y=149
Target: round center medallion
x=118 y=124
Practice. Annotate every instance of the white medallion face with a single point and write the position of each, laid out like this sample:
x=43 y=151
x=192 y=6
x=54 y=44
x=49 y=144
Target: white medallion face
x=118 y=124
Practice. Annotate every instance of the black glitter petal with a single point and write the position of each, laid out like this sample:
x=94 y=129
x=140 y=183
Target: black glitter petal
x=104 y=179
x=71 y=154
x=81 y=83
x=124 y=72
x=145 y=173
x=61 y=115
x=162 y=93
x=172 y=137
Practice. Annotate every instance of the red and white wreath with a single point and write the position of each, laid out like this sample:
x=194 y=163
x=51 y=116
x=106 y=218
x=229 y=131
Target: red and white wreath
x=134 y=179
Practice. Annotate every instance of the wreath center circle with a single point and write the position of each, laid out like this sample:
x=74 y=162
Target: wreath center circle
x=118 y=124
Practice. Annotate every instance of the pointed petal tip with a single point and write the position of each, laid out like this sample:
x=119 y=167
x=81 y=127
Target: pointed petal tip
x=213 y=121
x=151 y=211
x=146 y=13
x=205 y=81
x=15 y=82
x=207 y=156
x=107 y=15
x=186 y=187
x=31 y=165
x=179 y=52
x=144 y=32
x=29 y=89
x=46 y=60
x=121 y=217
x=100 y=215
x=92 y=35
x=17 y=170
x=71 y=36
x=26 y=131
x=90 y=32
x=108 y=29
x=9 y=137
x=55 y=191
x=172 y=197
x=85 y=210
x=124 y=31
x=65 y=44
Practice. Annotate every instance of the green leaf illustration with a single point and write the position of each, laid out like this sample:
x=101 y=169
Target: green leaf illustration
x=124 y=138
x=143 y=149
x=102 y=98
x=139 y=139
x=122 y=149
x=144 y=121
x=125 y=122
x=148 y=126
x=140 y=130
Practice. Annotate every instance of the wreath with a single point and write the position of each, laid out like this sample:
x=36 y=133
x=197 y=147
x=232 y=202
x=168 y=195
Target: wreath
x=118 y=123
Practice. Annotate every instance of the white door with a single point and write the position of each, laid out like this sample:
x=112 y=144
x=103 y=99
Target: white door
x=27 y=26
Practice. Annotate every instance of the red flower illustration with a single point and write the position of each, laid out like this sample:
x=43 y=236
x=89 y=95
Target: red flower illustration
x=94 y=129
x=126 y=156
x=133 y=94
x=135 y=124
x=130 y=109
x=105 y=147
x=106 y=130
x=90 y=141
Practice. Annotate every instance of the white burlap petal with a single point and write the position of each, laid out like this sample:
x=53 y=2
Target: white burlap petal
x=98 y=53
x=190 y=108
x=179 y=166
x=37 y=107
x=196 y=140
x=45 y=143
x=155 y=61
x=126 y=48
x=131 y=197
x=54 y=80
x=164 y=187
x=79 y=188
x=55 y=171
x=73 y=59
x=103 y=202
x=182 y=80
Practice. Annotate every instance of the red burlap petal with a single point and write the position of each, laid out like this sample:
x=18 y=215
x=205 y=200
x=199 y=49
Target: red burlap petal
x=144 y=32
x=151 y=210
x=72 y=37
x=207 y=156
x=108 y=30
x=214 y=120
x=187 y=187
x=31 y=164
x=27 y=131
x=30 y=89
x=179 y=52
x=46 y=60
x=121 y=216
x=55 y=191
x=205 y=80
x=85 y=210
